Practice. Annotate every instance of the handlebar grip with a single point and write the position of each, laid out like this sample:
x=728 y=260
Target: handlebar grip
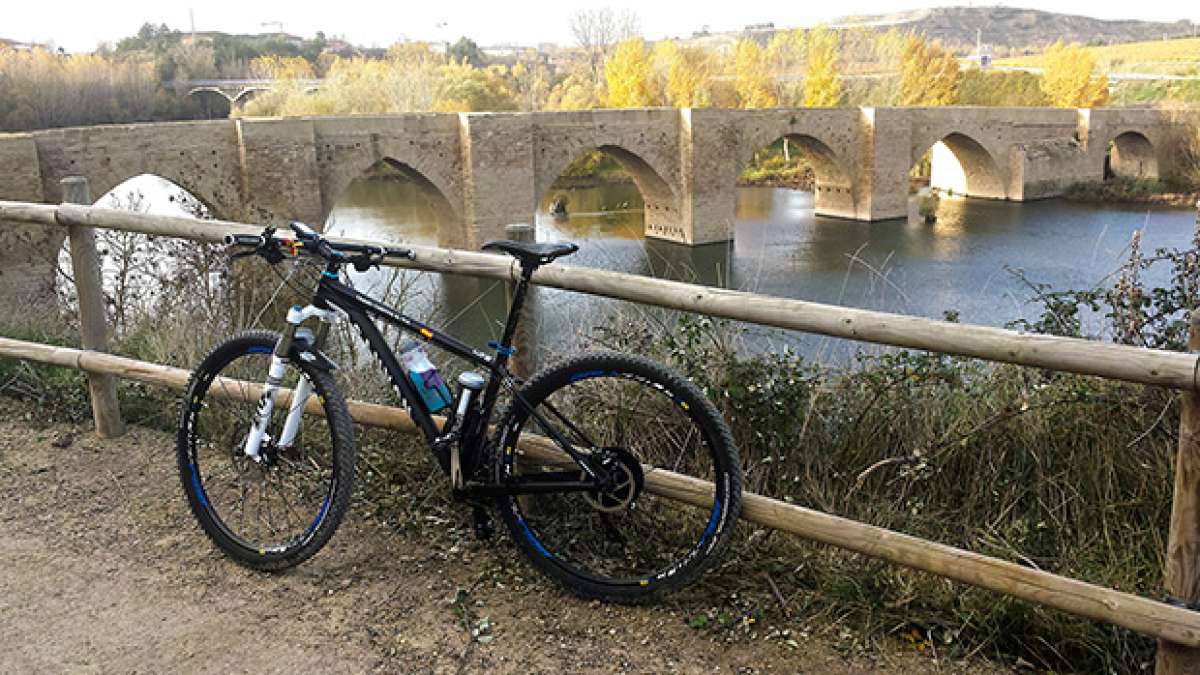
x=254 y=240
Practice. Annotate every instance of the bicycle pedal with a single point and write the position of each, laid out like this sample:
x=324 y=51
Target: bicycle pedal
x=485 y=527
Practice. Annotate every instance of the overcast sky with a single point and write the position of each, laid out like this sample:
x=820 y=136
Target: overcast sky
x=79 y=25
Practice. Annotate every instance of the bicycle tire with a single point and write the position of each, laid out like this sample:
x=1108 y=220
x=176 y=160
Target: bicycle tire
x=530 y=531
x=199 y=474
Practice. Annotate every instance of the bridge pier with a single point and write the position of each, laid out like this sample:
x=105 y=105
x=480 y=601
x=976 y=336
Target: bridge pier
x=498 y=174
x=278 y=175
x=28 y=253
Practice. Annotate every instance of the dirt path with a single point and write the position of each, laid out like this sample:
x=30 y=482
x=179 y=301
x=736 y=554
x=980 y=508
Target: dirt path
x=105 y=571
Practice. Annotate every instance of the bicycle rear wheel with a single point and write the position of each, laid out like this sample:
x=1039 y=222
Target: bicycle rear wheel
x=274 y=513
x=625 y=544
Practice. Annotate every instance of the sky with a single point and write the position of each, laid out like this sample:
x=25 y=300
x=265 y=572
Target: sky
x=79 y=25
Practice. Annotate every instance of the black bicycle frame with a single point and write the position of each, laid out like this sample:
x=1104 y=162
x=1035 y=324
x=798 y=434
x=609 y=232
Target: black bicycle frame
x=362 y=309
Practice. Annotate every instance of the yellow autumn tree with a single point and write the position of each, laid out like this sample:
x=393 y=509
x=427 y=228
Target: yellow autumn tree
x=465 y=88
x=1069 y=79
x=786 y=59
x=822 y=84
x=629 y=76
x=576 y=92
x=281 y=68
x=886 y=58
x=684 y=74
x=929 y=75
x=752 y=79
x=662 y=57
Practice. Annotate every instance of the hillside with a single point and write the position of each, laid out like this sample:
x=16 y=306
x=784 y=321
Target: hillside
x=1010 y=29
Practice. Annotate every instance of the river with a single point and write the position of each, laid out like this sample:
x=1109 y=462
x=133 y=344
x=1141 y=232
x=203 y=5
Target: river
x=971 y=261
x=967 y=262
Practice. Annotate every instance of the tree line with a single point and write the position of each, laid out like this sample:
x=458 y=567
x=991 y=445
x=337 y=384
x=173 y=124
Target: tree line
x=611 y=66
x=820 y=67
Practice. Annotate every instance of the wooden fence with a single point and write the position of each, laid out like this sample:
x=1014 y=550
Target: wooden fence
x=1177 y=627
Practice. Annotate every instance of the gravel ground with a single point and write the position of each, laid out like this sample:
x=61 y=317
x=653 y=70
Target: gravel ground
x=105 y=571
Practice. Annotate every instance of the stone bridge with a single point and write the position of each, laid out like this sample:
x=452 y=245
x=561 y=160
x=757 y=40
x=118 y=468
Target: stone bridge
x=238 y=92
x=482 y=171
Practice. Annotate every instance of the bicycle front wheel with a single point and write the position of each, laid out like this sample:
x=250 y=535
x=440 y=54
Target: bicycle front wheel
x=628 y=542
x=275 y=512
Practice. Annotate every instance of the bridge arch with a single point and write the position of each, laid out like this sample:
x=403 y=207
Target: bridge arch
x=217 y=104
x=200 y=92
x=833 y=188
x=395 y=192
x=246 y=95
x=1130 y=154
x=659 y=201
x=961 y=165
x=160 y=192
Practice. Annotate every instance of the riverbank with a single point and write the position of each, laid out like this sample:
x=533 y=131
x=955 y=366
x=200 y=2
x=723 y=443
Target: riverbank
x=1152 y=192
x=587 y=182
x=793 y=180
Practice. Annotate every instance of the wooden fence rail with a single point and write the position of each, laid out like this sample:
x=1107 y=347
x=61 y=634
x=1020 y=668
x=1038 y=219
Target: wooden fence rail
x=1177 y=628
x=1157 y=619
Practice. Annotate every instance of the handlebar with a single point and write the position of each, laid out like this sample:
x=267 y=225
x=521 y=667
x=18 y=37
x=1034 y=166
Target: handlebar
x=308 y=240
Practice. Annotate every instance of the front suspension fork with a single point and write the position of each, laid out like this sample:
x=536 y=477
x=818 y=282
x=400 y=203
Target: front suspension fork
x=275 y=374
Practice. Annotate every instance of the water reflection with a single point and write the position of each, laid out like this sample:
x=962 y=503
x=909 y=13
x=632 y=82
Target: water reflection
x=390 y=210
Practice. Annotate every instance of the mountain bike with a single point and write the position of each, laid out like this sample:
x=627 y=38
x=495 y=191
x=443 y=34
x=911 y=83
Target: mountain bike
x=266 y=449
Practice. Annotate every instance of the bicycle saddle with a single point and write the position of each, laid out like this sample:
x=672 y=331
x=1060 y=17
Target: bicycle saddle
x=532 y=254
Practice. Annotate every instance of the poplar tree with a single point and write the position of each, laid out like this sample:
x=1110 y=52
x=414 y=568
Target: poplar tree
x=629 y=76
x=822 y=84
x=1069 y=79
x=752 y=79
x=929 y=75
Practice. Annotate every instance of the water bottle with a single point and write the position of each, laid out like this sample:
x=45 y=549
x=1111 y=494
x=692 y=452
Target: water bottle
x=424 y=376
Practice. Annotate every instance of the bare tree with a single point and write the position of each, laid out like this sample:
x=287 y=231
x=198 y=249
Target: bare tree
x=597 y=30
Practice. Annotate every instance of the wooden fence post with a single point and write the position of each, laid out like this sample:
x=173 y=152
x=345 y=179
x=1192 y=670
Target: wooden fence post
x=522 y=362
x=1183 y=540
x=93 y=323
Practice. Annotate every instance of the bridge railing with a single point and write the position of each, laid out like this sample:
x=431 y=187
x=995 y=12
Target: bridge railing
x=1176 y=627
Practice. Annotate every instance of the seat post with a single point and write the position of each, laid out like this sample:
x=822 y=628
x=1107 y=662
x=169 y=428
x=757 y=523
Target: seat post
x=514 y=310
